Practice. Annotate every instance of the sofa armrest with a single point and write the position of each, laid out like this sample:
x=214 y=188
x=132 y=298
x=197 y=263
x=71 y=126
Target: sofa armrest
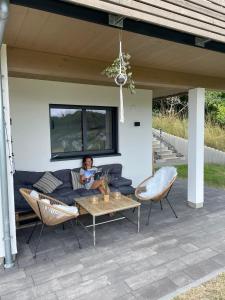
x=120 y=181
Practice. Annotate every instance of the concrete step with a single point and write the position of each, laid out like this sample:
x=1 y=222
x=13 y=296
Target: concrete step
x=166 y=162
x=167 y=156
x=157 y=147
x=155 y=142
x=163 y=151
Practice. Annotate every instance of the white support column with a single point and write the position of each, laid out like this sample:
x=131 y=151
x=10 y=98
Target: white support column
x=196 y=120
x=9 y=160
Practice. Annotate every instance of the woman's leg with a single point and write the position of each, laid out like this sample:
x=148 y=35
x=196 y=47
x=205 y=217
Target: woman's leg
x=99 y=184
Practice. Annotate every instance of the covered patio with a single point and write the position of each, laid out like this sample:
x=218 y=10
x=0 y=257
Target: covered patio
x=55 y=55
x=164 y=257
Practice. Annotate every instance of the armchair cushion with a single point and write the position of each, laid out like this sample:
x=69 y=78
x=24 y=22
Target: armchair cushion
x=34 y=194
x=159 y=182
x=46 y=201
x=69 y=209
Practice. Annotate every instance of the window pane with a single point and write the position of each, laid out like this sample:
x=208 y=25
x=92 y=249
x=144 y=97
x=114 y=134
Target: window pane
x=99 y=129
x=66 y=130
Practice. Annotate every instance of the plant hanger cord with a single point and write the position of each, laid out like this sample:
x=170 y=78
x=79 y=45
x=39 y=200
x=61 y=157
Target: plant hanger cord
x=121 y=87
x=120 y=71
x=121 y=75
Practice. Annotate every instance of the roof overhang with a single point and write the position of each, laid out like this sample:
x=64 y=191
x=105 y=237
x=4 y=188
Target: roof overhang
x=54 y=42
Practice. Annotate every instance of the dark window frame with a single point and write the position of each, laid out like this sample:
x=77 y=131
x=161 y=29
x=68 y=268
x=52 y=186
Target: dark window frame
x=79 y=154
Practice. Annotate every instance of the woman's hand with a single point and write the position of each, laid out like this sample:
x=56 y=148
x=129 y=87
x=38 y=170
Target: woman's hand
x=82 y=179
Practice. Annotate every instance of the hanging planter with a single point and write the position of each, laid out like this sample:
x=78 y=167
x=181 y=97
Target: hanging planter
x=120 y=70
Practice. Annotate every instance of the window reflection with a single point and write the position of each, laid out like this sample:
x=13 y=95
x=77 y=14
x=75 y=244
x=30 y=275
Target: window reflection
x=76 y=130
x=66 y=130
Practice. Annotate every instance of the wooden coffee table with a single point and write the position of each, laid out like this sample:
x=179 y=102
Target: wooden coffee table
x=106 y=207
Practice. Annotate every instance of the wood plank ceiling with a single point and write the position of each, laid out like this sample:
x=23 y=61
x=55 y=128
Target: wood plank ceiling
x=44 y=32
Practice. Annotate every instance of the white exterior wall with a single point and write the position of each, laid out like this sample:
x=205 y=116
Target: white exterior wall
x=29 y=104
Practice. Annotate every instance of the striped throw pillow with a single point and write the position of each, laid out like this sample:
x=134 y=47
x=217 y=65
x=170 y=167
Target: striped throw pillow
x=47 y=183
x=76 y=180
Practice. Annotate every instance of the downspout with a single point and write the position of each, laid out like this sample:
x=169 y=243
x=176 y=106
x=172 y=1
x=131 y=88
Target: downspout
x=4 y=12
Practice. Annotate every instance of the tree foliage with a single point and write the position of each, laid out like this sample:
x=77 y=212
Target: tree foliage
x=178 y=106
x=215 y=107
x=171 y=106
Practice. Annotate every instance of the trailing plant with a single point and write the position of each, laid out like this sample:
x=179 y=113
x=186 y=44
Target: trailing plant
x=114 y=69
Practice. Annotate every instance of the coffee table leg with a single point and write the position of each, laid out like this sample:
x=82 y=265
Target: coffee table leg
x=94 y=230
x=138 y=224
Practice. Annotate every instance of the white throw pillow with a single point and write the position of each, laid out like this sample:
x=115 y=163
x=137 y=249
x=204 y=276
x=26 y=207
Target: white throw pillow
x=47 y=201
x=34 y=194
x=76 y=180
x=70 y=209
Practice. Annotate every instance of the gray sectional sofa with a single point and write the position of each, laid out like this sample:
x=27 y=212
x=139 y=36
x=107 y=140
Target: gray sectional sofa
x=65 y=193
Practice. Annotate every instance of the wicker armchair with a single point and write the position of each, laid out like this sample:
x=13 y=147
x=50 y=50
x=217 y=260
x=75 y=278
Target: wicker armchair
x=161 y=190
x=50 y=211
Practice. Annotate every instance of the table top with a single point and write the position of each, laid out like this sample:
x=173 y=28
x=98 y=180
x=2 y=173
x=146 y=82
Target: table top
x=105 y=207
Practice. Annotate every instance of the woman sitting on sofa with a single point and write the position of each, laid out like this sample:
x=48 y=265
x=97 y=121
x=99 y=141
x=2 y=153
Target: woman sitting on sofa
x=87 y=173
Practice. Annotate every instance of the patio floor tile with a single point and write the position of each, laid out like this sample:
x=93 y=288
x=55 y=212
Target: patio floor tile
x=220 y=259
x=180 y=278
x=201 y=269
x=155 y=290
x=15 y=285
x=166 y=255
x=56 y=272
x=85 y=288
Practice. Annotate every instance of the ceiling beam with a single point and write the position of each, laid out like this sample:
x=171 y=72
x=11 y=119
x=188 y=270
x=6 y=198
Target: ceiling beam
x=41 y=65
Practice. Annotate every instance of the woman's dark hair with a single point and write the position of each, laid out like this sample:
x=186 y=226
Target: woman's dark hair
x=84 y=160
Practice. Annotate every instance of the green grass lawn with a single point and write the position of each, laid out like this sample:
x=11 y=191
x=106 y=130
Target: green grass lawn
x=214 y=175
x=214 y=134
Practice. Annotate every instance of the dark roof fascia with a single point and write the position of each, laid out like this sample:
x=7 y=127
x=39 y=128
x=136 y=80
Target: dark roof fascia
x=101 y=17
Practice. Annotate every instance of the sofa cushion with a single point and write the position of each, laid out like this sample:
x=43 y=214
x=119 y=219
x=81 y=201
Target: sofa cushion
x=120 y=181
x=65 y=176
x=85 y=193
x=25 y=178
x=113 y=189
x=20 y=203
x=126 y=190
x=115 y=170
x=47 y=183
x=66 y=195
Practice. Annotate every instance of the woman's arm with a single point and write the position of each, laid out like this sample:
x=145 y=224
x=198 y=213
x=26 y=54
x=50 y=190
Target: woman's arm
x=82 y=177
